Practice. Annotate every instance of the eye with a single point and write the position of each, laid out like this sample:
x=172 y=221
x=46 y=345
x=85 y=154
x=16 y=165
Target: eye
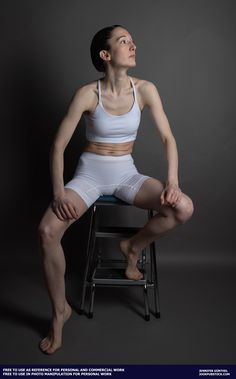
x=127 y=41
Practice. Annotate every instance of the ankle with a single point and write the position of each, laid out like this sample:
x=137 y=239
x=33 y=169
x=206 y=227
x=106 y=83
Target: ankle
x=59 y=312
x=134 y=249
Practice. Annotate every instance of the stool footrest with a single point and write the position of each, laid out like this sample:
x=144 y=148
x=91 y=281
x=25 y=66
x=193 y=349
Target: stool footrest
x=115 y=276
x=118 y=263
x=115 y=231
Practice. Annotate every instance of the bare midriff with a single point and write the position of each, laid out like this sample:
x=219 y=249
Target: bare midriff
x=109 y=148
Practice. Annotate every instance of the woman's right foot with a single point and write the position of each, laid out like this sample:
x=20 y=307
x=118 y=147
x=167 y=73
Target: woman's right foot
x=132 y=272
x=53 y=341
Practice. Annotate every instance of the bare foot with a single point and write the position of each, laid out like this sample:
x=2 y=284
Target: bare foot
x=53 y=341
x=132 y=271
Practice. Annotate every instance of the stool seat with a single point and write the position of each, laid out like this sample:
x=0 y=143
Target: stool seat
x=110 y=199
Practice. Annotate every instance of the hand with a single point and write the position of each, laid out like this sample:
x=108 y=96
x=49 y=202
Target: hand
x=64 y=209
x=171 y=195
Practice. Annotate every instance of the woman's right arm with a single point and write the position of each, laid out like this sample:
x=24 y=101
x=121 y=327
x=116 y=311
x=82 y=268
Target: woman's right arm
x=80 y=103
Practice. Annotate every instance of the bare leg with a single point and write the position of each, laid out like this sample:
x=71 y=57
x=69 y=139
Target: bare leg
x=51 y=230
x=167 y=219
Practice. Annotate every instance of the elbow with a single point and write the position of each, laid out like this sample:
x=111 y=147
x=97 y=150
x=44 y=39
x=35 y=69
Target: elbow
x=57 y=147
x=169 y=139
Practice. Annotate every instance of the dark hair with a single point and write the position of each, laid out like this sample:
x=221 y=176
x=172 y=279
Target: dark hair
x=100 y=42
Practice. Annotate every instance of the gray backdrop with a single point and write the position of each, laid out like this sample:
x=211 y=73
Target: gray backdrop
x=187 y=48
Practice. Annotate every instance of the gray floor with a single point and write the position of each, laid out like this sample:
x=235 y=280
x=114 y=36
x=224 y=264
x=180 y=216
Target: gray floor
x=197 y=324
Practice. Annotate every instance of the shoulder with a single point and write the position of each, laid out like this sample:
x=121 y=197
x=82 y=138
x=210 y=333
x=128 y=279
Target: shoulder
x=143 y=85
x=86 y=95
x=86 y=90
x=147 y=90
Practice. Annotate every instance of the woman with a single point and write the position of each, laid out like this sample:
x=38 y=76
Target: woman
x=112 y=108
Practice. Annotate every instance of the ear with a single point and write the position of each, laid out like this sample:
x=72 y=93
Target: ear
x=105 y=55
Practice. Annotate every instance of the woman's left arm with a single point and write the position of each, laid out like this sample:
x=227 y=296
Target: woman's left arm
x=171 y=193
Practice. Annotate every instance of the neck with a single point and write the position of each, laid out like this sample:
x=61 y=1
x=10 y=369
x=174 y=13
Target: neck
x=116 y=82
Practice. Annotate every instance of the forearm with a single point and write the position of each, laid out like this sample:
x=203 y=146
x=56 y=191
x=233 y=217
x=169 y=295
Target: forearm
x=172 y=159
x=56 y=170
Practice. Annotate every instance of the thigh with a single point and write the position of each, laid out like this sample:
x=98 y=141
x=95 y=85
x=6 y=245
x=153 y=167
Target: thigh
x=51 y=224
x=148 y=196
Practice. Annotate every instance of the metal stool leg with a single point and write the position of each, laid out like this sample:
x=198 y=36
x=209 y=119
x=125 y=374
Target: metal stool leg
x=156 y=294
x=89 y=254
x=90 y=314
x=145 y=288
x=150 y=215
x=145 y=293
x=153 y=272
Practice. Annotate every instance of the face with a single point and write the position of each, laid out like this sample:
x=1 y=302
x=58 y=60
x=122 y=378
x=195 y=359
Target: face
x=122 y=49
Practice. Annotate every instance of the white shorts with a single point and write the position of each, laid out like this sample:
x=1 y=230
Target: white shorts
x=98 y=175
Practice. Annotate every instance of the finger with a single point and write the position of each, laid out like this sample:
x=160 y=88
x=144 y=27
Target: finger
x=56 y=209
x=169 y=196
x=58 y=214
x=62 y=212
x=174 y=196
x=67 y=211
x=73 y=210
x=162 y=197
x=77 y=213
x=61 y=216
x=165 y=203
x=171 y=203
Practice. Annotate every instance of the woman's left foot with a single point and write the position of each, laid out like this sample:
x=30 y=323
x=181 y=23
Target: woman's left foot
x=132 y=271
x=53 y=341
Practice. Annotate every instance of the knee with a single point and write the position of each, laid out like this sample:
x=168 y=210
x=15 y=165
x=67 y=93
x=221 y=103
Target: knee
x=47 y=235
x=184 y=210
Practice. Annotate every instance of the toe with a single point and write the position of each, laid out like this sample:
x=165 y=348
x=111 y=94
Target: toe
x=44 y=344
x=52 y=349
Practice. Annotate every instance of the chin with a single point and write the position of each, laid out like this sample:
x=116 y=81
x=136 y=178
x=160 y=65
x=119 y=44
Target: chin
x=133 y=64
x=130 y=65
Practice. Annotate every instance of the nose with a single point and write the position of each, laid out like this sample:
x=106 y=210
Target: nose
x=132 y=45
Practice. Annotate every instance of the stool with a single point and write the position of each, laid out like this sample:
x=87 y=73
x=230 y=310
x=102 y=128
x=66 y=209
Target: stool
x=111 y=272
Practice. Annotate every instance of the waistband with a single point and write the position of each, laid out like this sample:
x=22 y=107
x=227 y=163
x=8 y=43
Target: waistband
x=99 y=157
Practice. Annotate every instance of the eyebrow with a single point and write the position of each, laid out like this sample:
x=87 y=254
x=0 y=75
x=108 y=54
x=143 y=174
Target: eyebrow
x=120 y=37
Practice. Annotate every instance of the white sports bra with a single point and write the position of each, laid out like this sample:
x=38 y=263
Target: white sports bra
x=102 y=126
